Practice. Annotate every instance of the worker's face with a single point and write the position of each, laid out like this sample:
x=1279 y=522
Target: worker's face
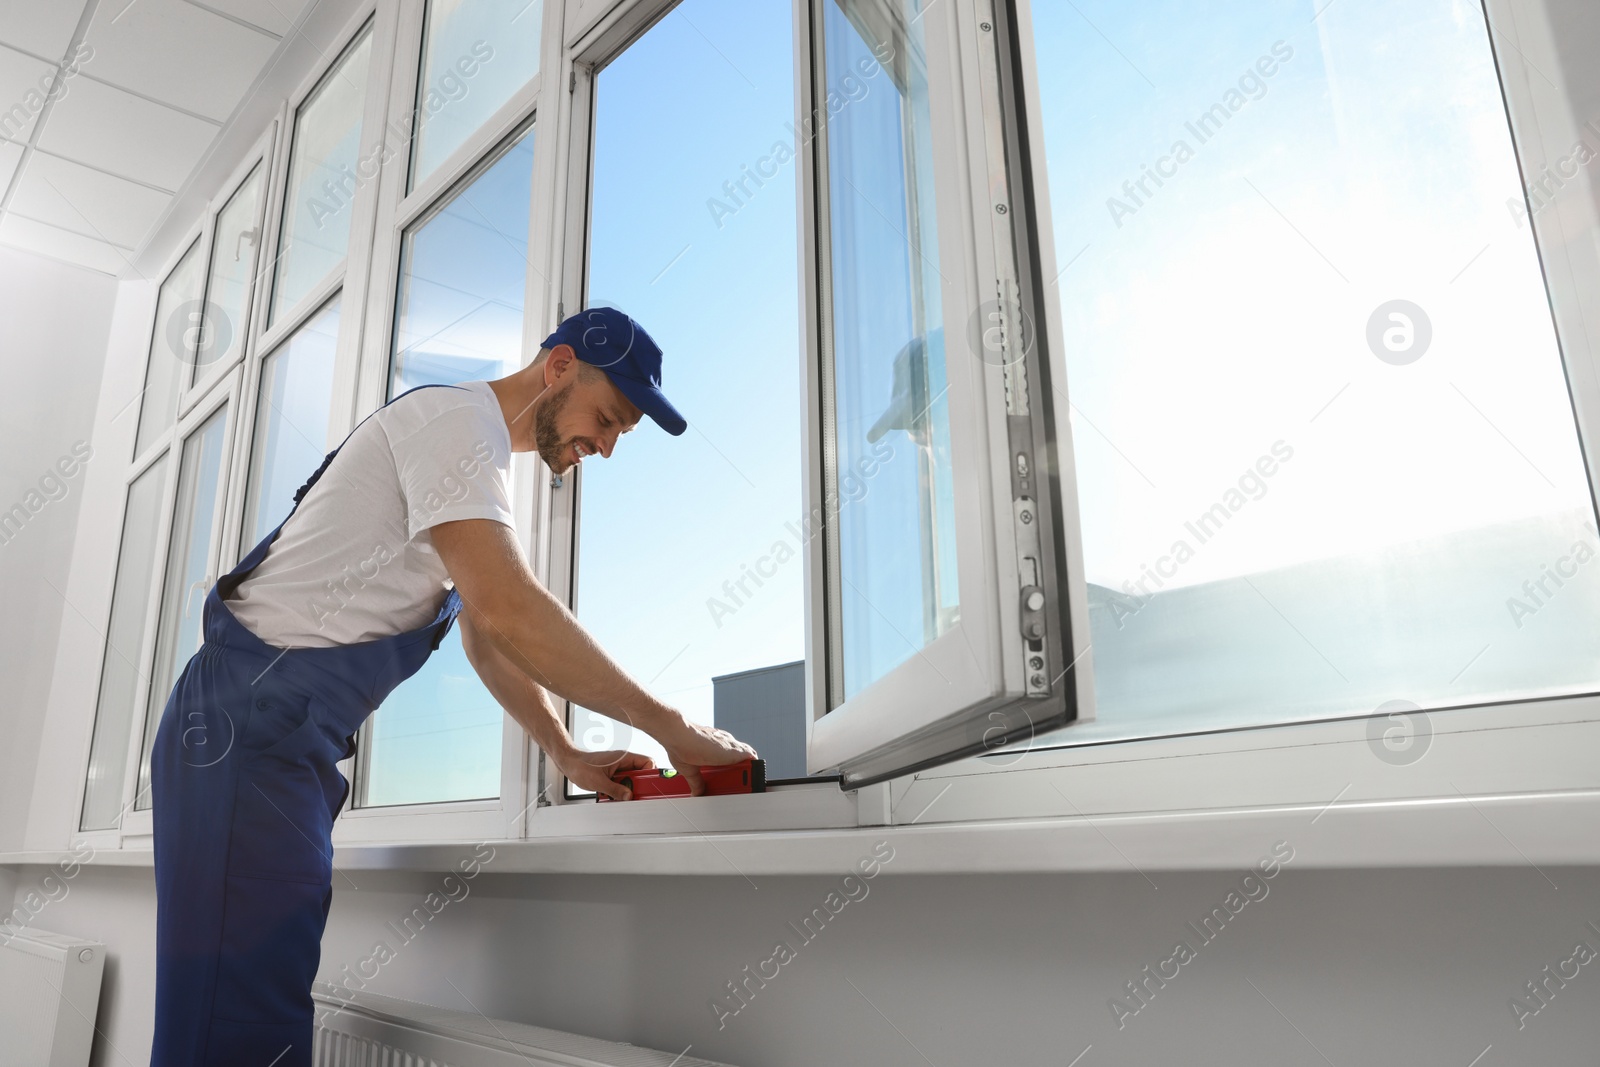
x=580 y=413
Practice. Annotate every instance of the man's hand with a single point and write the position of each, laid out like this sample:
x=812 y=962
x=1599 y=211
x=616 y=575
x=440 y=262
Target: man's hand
x=691 y=746
x=592 y=771
x=523 y=641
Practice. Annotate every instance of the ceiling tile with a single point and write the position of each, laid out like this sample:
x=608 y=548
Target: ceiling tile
x=43 y=27
x=177 y=53
x=50 y=241
x=277 y=16
x=21 y=98
x=10 y=156
x=116 y=131
x=86 y=201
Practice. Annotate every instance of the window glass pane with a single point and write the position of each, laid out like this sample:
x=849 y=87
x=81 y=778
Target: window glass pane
x=291 y=431
x=120 y=674
x=323 y=178
x=463 y=276
x=233 y=265
x=476 y=55
x=437 y=738
x=172 y=345
x=897 y=584
x=690 y=568
x=1326 y=457
x=188 y=579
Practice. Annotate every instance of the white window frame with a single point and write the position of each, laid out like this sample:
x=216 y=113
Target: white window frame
x=224 y=395
x=1522 y=747
x=376 y=19
x=1479 y=750
x=260 y=158
x=249 y=420
x=194 y=238
x=603 y=37
x=813 y=805
x=599 y=34
x=965 y=688
x=397 y=212
x=145 y=654
x=267 y=154
x=195 y=403
x=159 y=451
x=1489 y=756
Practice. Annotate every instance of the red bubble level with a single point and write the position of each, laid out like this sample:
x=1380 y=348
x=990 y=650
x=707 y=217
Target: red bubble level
x=746 y=776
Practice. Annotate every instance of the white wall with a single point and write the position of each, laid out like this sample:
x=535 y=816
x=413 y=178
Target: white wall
x=54 y=320
x=64 y=722
x=1375 y=967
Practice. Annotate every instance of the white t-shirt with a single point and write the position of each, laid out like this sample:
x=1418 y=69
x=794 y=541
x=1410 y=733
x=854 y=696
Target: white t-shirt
x=355 y=562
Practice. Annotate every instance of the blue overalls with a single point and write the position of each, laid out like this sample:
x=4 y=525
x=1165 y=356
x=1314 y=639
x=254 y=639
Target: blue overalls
x=244 y=794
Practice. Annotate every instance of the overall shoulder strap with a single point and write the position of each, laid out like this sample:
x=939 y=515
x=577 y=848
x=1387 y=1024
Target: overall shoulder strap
x=252 y=559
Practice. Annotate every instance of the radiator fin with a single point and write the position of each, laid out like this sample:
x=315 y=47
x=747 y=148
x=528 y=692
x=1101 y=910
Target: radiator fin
x=370 y=1030
x=334 y=1049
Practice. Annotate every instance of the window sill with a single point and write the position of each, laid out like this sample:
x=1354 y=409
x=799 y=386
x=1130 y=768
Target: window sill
x=1500 y=785
x=1540 y=830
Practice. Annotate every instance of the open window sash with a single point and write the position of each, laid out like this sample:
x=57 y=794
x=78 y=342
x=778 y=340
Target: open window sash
x=943 y=603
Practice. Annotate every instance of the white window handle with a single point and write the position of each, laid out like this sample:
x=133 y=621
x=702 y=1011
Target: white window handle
x=188 y=597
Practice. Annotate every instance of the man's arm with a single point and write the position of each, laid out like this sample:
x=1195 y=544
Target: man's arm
x=527 y=702
x=535 y=633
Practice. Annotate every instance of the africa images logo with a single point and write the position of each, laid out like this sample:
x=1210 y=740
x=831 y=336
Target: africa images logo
x=597 y=337
x=198 y=331
x=1399 y=332
x=1399 y=732
x=1001 y=332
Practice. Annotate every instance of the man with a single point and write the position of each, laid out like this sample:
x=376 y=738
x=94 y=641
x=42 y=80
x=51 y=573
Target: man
x=404 y=527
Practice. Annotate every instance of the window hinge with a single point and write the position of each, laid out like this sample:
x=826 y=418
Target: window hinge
x=572 y=80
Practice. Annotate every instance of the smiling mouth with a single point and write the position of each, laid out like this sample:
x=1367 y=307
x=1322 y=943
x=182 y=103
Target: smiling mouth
x=580 y=451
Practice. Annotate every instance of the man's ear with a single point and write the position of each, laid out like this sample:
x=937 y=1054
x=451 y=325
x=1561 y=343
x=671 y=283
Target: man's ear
x=561 y=362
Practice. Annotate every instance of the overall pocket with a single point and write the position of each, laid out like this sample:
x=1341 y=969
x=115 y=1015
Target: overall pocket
x=274 y=716
x=282 y=828
x=281 y=825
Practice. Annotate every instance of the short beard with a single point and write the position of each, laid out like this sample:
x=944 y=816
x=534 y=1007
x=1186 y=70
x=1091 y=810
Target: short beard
x=546 y=438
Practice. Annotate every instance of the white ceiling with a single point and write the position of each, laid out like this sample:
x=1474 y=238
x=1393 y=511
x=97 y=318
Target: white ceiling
x=86 y=177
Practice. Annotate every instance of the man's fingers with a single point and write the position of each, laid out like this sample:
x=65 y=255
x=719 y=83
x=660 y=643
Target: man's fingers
x=596 y=770
x=634 y=761
x=691 y=774
x=613 y=760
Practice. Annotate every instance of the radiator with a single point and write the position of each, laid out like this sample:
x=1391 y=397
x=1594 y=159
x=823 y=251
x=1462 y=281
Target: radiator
x=49 y=995
x=368 y=1030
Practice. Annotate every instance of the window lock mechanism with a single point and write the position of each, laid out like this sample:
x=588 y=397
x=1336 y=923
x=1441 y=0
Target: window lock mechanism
x=1032 y=597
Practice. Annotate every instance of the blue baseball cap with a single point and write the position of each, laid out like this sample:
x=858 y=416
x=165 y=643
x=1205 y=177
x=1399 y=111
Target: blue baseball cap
x=606 y=338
